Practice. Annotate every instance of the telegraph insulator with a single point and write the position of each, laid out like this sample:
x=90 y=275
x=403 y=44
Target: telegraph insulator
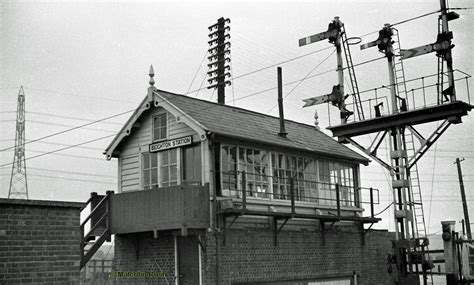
x=219 y=50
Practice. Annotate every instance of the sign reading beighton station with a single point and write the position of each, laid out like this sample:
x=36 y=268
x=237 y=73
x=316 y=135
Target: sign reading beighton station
x=159 y=146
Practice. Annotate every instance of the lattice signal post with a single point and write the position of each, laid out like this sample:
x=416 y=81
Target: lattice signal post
x=219 y=52
x=399 y=122
x=18 y=182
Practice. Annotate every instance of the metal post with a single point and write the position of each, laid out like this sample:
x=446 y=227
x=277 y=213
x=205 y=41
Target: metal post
x=448 y=55
x=371 y=202
x=338 y=201
x=244 y=191
x=292 y=193
x=282 y=132
x=393 y=91
x=463 y=197
x=340 y=72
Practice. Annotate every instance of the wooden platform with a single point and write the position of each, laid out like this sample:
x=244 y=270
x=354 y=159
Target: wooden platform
x=283 y=215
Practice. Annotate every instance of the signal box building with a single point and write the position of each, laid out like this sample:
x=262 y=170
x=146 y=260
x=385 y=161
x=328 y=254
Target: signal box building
x=214 y=194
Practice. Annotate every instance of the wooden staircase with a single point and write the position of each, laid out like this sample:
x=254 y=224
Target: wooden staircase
x=99 y=226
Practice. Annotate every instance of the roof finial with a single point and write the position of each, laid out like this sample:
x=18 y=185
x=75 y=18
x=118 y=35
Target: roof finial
x=152 y=74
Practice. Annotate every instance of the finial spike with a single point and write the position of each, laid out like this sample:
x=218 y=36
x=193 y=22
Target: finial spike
x=152 y=74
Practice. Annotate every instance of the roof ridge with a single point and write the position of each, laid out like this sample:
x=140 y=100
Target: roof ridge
x=240 y=108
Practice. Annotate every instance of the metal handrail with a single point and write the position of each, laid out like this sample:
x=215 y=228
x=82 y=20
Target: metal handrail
x=92 y=212
x=293 y=193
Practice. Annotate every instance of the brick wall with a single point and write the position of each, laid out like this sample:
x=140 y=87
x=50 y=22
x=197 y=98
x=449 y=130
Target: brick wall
x=141 y=252
x=39 y=242
x=249 y=255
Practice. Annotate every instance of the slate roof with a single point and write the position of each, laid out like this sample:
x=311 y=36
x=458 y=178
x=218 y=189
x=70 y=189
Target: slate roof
x=240 y=123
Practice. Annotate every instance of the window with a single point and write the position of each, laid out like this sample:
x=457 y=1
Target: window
x=168 y=168
x=255 y=164
x=229 y=169
x=192 y=164
x=342 y=174
x=160 y=169
x=269 y=174
x=160 y=127
x=302 y=170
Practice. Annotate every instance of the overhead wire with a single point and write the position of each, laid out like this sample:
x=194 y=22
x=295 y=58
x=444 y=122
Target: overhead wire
x=281 y=62
x=71 y=172
x=69 y=126
x=69 y=155
x=72 y=129
x=72 y=179
x=197 y=71
x=304 y=78
x=70 y=117
x=414 y=18
x=266 y=67
x=385 y=209
x=75 y=95
x=61 y=149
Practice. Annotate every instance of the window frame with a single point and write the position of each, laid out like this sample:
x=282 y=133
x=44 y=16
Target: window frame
x=166 y=116
x=158 y=168
x=338 y=171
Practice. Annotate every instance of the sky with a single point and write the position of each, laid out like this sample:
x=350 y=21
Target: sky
x=83 y=61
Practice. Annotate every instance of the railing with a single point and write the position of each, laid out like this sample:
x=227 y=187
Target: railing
x=243 y=185
x=421 y=92
x=99 y=224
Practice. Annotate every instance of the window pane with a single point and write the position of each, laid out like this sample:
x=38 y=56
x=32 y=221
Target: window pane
x=154 y=176
x=164 y=158
x=146 y=160
x=173 y=173
x=242 y=156
x=256 y=157
x=225 y=153
x=172 y=156
x=233 y=154
x=159 y=127
x=164 y=175
x=146 y=177
x=154 y=159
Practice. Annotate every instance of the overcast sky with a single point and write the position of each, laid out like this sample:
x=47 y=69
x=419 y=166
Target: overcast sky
x=86 y=61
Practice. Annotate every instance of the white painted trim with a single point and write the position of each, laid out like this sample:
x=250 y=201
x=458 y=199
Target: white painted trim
x=119 y=175
x=127 y=128
x=270 y=174
x=204 y=170
x=200 y=262
x=146 y=105
x=181 y=116
x=176 y=273
x=179 y=162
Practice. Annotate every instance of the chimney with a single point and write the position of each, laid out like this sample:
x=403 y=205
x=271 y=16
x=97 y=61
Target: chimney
x=282 y=132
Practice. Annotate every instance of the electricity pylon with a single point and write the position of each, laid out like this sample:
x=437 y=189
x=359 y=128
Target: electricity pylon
x=18 y=183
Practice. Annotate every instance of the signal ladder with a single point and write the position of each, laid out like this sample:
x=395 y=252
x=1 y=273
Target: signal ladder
x=413 y=175
x=351 y=71
x=440 y=67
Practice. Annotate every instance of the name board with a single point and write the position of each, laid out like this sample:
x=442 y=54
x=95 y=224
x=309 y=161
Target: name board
x=160 y=146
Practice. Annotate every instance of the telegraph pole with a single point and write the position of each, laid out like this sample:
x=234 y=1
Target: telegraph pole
x=463 y=197
x=218 y=59
x=18 y=183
